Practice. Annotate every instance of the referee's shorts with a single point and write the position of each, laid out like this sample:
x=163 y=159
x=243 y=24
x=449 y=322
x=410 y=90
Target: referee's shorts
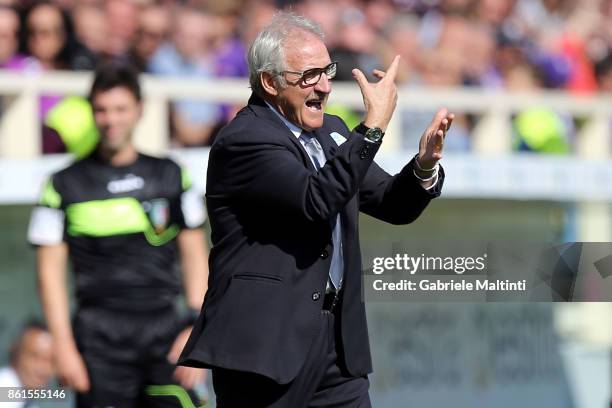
x=125 y=354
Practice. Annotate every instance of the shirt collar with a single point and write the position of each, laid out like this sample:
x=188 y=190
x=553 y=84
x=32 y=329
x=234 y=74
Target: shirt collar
x=293 y=128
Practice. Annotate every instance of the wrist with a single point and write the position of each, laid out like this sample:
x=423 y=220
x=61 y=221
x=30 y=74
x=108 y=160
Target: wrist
x=422 y=168
x=62 y=341
x=65 y=350
x=424 y=174
x=372 y=124
x=371 y=134
x=375 y=124
x=424 y=178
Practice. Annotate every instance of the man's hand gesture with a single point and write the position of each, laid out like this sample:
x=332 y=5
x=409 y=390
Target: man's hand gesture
x=379 y=98
x=432 y=141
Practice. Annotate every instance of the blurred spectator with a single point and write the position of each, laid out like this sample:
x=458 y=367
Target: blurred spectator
x=327 y=14
x=509 y=53
x=231 y=55
x=523 y=77
x=495 y=12
x=189 y=55
x=153 y=30
x=91 y=27
x=440 y=68
x=225 y=20
x=379 y=13
x=355 y=46
x=401 y=36
x=603 y=70
x=48 y=41
x=457 y=7
x=9 y=29
x=477 y=51
x=122 y=18
x=31 y=361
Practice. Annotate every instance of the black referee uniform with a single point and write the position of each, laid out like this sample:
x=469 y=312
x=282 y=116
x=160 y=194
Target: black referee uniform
x=120 y=224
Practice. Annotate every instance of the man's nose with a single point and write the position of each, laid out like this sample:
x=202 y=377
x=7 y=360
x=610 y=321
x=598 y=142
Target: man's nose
x=113 y=118
x=324 y=84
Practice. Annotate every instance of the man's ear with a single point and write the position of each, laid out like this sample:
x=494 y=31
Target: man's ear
x=269 y=83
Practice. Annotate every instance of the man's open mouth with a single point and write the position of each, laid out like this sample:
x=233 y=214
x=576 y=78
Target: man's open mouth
x=315 y=105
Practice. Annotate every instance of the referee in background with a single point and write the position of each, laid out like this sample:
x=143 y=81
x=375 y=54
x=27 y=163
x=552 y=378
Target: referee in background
x=123 y=219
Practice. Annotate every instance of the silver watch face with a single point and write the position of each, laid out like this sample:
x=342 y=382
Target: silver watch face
x=374 y=134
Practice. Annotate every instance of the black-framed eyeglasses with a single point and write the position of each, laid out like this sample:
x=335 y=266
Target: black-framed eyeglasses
x=313 y=75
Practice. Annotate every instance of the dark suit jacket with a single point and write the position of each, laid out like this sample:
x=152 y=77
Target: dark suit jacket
x=271 y=215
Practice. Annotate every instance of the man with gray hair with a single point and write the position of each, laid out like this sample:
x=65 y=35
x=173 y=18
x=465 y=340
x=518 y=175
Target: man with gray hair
x=283 y=323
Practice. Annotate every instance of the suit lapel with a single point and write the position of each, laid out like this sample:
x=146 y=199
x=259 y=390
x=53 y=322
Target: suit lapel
x=327 y=143
x=262 y=110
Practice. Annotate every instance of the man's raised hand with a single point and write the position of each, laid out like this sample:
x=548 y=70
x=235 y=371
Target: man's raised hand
x=379 y=98
x=432 y=140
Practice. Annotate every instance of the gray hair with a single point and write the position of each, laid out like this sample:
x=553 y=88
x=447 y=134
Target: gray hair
x=266 y=54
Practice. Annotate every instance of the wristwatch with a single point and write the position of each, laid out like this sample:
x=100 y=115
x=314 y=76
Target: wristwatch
x=373 y=134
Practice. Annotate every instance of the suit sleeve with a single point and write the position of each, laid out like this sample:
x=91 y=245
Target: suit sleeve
x=246 y=165
x=398 y=199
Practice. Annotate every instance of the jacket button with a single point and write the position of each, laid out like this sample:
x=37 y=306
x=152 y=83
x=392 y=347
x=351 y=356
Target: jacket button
x=324 y=254
x=316 y=296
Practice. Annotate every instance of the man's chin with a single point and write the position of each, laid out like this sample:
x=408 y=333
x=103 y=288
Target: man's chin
x=313 y=122
x=111 y=147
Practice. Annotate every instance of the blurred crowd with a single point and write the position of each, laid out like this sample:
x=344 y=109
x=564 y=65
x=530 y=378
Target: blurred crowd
x=515 y=45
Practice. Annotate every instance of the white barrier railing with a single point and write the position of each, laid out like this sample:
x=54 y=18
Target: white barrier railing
x=474 y=175
x=19 y=130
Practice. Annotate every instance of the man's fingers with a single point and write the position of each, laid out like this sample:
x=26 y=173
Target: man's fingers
x=444 y=124
x=378 y=73
x=438 y=141
x=437 y=121
x=83 y=381
x=450 y=118
x=80 y=383
x=392 y=71
x=178 y=374
x=360 y=78
x=173 y=354
x=187 y=377
x=440 y=115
